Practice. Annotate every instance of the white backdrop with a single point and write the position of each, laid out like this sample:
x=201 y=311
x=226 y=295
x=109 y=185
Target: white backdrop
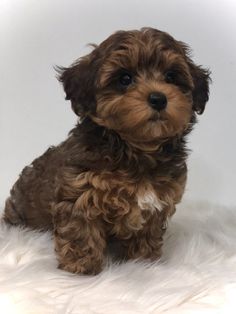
x=36 y=35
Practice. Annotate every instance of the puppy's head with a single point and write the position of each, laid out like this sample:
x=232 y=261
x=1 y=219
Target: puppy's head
x=142 y=84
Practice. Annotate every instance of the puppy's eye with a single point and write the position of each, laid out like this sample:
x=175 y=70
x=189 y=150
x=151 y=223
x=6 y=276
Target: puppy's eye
x=170 y=77
x=125 y=79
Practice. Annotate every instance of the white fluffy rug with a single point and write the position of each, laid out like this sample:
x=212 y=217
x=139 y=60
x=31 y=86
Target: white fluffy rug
x=197 y=273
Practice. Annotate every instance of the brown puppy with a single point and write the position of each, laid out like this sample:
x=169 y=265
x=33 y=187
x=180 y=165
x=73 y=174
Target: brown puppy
x=122 y=169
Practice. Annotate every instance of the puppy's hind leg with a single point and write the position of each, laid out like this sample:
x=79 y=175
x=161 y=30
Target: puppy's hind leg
x=11 y=215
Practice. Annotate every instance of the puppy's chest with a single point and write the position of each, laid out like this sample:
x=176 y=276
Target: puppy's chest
x=117 y=192
x=148 y=199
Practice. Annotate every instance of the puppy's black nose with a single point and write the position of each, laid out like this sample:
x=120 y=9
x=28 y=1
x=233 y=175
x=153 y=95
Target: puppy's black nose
x=157 y=101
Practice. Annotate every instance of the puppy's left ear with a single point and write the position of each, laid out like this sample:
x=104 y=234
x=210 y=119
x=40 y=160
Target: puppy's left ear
x=201 y=80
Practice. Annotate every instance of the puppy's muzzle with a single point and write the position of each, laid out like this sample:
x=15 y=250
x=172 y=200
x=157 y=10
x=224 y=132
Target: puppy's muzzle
x=157 y=101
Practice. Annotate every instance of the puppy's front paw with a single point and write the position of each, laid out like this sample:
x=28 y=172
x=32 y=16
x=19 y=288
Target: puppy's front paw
x=77 y=258
x=85 y=265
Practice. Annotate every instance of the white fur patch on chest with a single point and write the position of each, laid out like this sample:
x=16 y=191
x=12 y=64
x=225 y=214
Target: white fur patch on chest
x=150 y=201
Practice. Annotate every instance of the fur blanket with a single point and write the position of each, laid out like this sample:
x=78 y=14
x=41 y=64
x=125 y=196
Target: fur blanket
x=197 y=273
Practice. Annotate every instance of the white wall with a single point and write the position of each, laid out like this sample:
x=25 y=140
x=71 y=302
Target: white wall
x=35 y=35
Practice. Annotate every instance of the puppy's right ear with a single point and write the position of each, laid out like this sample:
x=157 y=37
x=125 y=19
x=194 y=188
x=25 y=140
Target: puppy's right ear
x=79 y=84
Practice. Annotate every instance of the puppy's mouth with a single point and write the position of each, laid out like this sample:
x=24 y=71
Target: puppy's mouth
x=158 y=116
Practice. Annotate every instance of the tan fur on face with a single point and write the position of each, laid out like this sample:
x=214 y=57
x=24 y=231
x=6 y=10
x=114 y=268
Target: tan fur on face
x=132 y=117
x=129 y=112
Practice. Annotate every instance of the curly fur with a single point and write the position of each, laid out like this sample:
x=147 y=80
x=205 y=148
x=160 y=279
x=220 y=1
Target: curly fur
x=122 y=169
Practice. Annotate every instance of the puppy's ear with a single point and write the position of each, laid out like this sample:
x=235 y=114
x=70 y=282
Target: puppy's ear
x=79 y=84
x=201 y=80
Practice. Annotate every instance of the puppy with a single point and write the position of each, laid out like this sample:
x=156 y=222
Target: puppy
x=122 y=169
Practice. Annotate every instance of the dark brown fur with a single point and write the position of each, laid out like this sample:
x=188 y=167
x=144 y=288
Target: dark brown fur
x=88 y=190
